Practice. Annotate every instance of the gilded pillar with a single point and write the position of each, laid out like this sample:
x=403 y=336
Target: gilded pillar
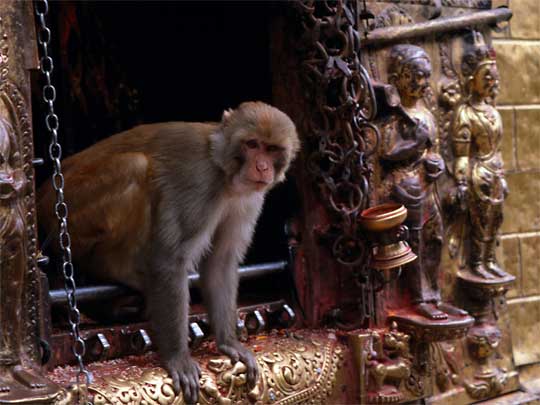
x=20 y=375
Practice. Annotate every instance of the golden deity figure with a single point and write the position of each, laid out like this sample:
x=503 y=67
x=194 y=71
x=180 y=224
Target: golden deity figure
x=11 y=234
x=411 y=166
x=478 y=168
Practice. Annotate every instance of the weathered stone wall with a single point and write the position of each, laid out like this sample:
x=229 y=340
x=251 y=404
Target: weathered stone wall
x=518 y=58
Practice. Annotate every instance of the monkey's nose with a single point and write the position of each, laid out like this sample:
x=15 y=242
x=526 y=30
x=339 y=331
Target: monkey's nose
x=262 y=166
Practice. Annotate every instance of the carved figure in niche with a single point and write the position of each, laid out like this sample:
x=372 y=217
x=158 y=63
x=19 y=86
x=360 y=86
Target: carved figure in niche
x=411 y=167
x=11 y=236
x=389 y=364
x=478 y=168
x=12 y=261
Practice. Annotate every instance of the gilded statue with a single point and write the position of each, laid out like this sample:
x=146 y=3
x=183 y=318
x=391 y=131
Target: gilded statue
x=478 y=168
x=411 y=166
x=11 y=234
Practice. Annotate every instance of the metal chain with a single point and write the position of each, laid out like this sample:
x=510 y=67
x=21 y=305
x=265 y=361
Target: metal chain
x=60 y=208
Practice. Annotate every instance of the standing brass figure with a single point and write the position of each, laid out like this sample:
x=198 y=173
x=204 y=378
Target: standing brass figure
x=478 y=168
x=412 y=166
x=11 y=252
x=12 y=182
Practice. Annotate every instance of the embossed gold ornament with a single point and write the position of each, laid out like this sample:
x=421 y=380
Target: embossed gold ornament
x=291 y=372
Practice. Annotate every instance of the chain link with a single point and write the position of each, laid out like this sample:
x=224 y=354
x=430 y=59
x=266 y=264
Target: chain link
x=342 y=139
x=61 y=210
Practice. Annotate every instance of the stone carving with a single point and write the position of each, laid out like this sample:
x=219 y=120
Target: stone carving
x=478 y=167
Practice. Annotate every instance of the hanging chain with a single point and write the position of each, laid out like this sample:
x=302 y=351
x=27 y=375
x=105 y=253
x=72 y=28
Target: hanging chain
x=60 y=208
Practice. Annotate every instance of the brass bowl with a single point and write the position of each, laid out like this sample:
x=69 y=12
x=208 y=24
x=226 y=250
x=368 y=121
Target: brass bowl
x=383 y=217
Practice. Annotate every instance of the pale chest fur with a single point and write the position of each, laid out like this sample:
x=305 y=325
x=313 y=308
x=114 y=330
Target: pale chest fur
x=230 y=224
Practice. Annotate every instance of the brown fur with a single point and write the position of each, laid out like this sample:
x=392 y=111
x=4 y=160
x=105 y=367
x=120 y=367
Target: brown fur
x=151 y=204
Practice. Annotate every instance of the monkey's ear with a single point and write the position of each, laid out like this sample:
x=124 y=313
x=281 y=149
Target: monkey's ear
x=226 y=115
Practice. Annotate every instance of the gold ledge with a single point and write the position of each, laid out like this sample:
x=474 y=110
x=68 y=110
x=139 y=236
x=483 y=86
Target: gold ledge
x=292 y=371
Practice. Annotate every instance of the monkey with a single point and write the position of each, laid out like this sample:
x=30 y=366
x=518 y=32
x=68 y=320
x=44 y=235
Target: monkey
x=149 y=205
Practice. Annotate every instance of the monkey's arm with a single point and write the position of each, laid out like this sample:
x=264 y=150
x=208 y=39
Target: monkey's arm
x=219 y=277
x=166 y=291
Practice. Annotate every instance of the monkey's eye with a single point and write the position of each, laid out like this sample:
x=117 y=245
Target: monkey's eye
x=274 y=148
x=252 y=144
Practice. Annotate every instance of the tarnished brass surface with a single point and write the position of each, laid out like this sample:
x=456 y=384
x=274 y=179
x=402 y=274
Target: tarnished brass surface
x=410 y=166
x=292 y=371
x=20 y=378
x=409 y=30
x=459 y=366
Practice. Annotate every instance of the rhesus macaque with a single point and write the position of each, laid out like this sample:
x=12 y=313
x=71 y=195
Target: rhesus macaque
x=151 y=204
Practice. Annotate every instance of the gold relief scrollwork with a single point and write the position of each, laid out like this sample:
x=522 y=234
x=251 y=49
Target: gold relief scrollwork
x=445 y=365
x=487 y=385
x=153 y=387
x=289 y=374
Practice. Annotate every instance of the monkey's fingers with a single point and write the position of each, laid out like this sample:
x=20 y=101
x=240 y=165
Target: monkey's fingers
x=193 y=382
x=190 y=388
x=252 y=368
x=175 y=380
x=230 y=352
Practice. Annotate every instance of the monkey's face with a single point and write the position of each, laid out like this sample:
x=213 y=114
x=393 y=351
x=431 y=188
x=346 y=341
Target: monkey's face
x=262 y=141
x=260 y=162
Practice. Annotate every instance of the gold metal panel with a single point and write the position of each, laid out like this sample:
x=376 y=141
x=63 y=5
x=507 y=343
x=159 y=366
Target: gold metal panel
x=292 y=371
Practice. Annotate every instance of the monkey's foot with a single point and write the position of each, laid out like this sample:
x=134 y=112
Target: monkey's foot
x=28 y=379
x=495 y=269
x=4 y=388
x=451 y=310
x=237 y=352
x=185 y=374
x=429 y=311
x=480 y=269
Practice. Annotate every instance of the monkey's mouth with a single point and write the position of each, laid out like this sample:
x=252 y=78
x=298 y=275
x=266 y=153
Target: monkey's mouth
x=259 y=184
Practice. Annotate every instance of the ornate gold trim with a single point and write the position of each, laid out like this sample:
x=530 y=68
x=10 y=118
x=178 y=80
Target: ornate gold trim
x=291 y=372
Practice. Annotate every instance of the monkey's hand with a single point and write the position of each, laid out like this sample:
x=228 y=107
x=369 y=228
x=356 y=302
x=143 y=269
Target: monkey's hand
x=185 y=373
x=237 y=352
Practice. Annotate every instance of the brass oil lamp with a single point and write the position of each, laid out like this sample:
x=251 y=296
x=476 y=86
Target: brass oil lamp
x=388 y=236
